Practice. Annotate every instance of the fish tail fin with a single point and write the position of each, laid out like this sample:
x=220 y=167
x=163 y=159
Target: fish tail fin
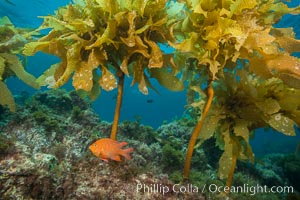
x=122 y=144
x=126 y=153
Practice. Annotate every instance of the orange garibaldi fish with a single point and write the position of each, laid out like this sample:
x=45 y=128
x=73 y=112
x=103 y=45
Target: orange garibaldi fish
x=107 y=148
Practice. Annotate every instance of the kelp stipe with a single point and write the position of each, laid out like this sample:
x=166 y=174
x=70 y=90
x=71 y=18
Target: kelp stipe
x=114 y=128
x=196 y=131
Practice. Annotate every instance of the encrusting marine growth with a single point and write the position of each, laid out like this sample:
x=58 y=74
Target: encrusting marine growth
x=230 y=49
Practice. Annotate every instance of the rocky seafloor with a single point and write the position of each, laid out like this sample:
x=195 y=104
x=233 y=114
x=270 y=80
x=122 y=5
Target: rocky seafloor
x=44 y=155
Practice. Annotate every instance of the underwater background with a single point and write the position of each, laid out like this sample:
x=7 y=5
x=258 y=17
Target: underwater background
x=152 y=109
x=164 y=113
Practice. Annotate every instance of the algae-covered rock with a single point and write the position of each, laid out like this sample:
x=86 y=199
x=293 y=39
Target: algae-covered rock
x=291 y=168
x=6 y=145
x=45 y=161
x=130 y=129
x=172 y=158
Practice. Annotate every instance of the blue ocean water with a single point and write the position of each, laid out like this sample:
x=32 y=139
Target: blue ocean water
x=153 y=108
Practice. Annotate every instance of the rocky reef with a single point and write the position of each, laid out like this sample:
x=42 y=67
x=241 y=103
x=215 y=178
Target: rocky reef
x=44 y=155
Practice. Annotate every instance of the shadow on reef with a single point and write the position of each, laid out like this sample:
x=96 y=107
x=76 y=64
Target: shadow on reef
x=44 y=155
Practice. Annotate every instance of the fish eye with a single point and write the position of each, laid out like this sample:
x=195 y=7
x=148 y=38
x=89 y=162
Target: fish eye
x=95 y=145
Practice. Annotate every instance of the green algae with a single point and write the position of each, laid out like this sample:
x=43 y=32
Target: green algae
x=172 y=158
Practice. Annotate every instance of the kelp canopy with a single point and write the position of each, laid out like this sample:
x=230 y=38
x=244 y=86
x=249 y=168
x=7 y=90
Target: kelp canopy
x=218 y=33
x=231 y=46
x=111 y=37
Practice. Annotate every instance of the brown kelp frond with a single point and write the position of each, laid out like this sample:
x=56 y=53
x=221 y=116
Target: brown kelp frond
x=6 y=97
x=105 y=36
x=219 y=33
x=11 y=41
